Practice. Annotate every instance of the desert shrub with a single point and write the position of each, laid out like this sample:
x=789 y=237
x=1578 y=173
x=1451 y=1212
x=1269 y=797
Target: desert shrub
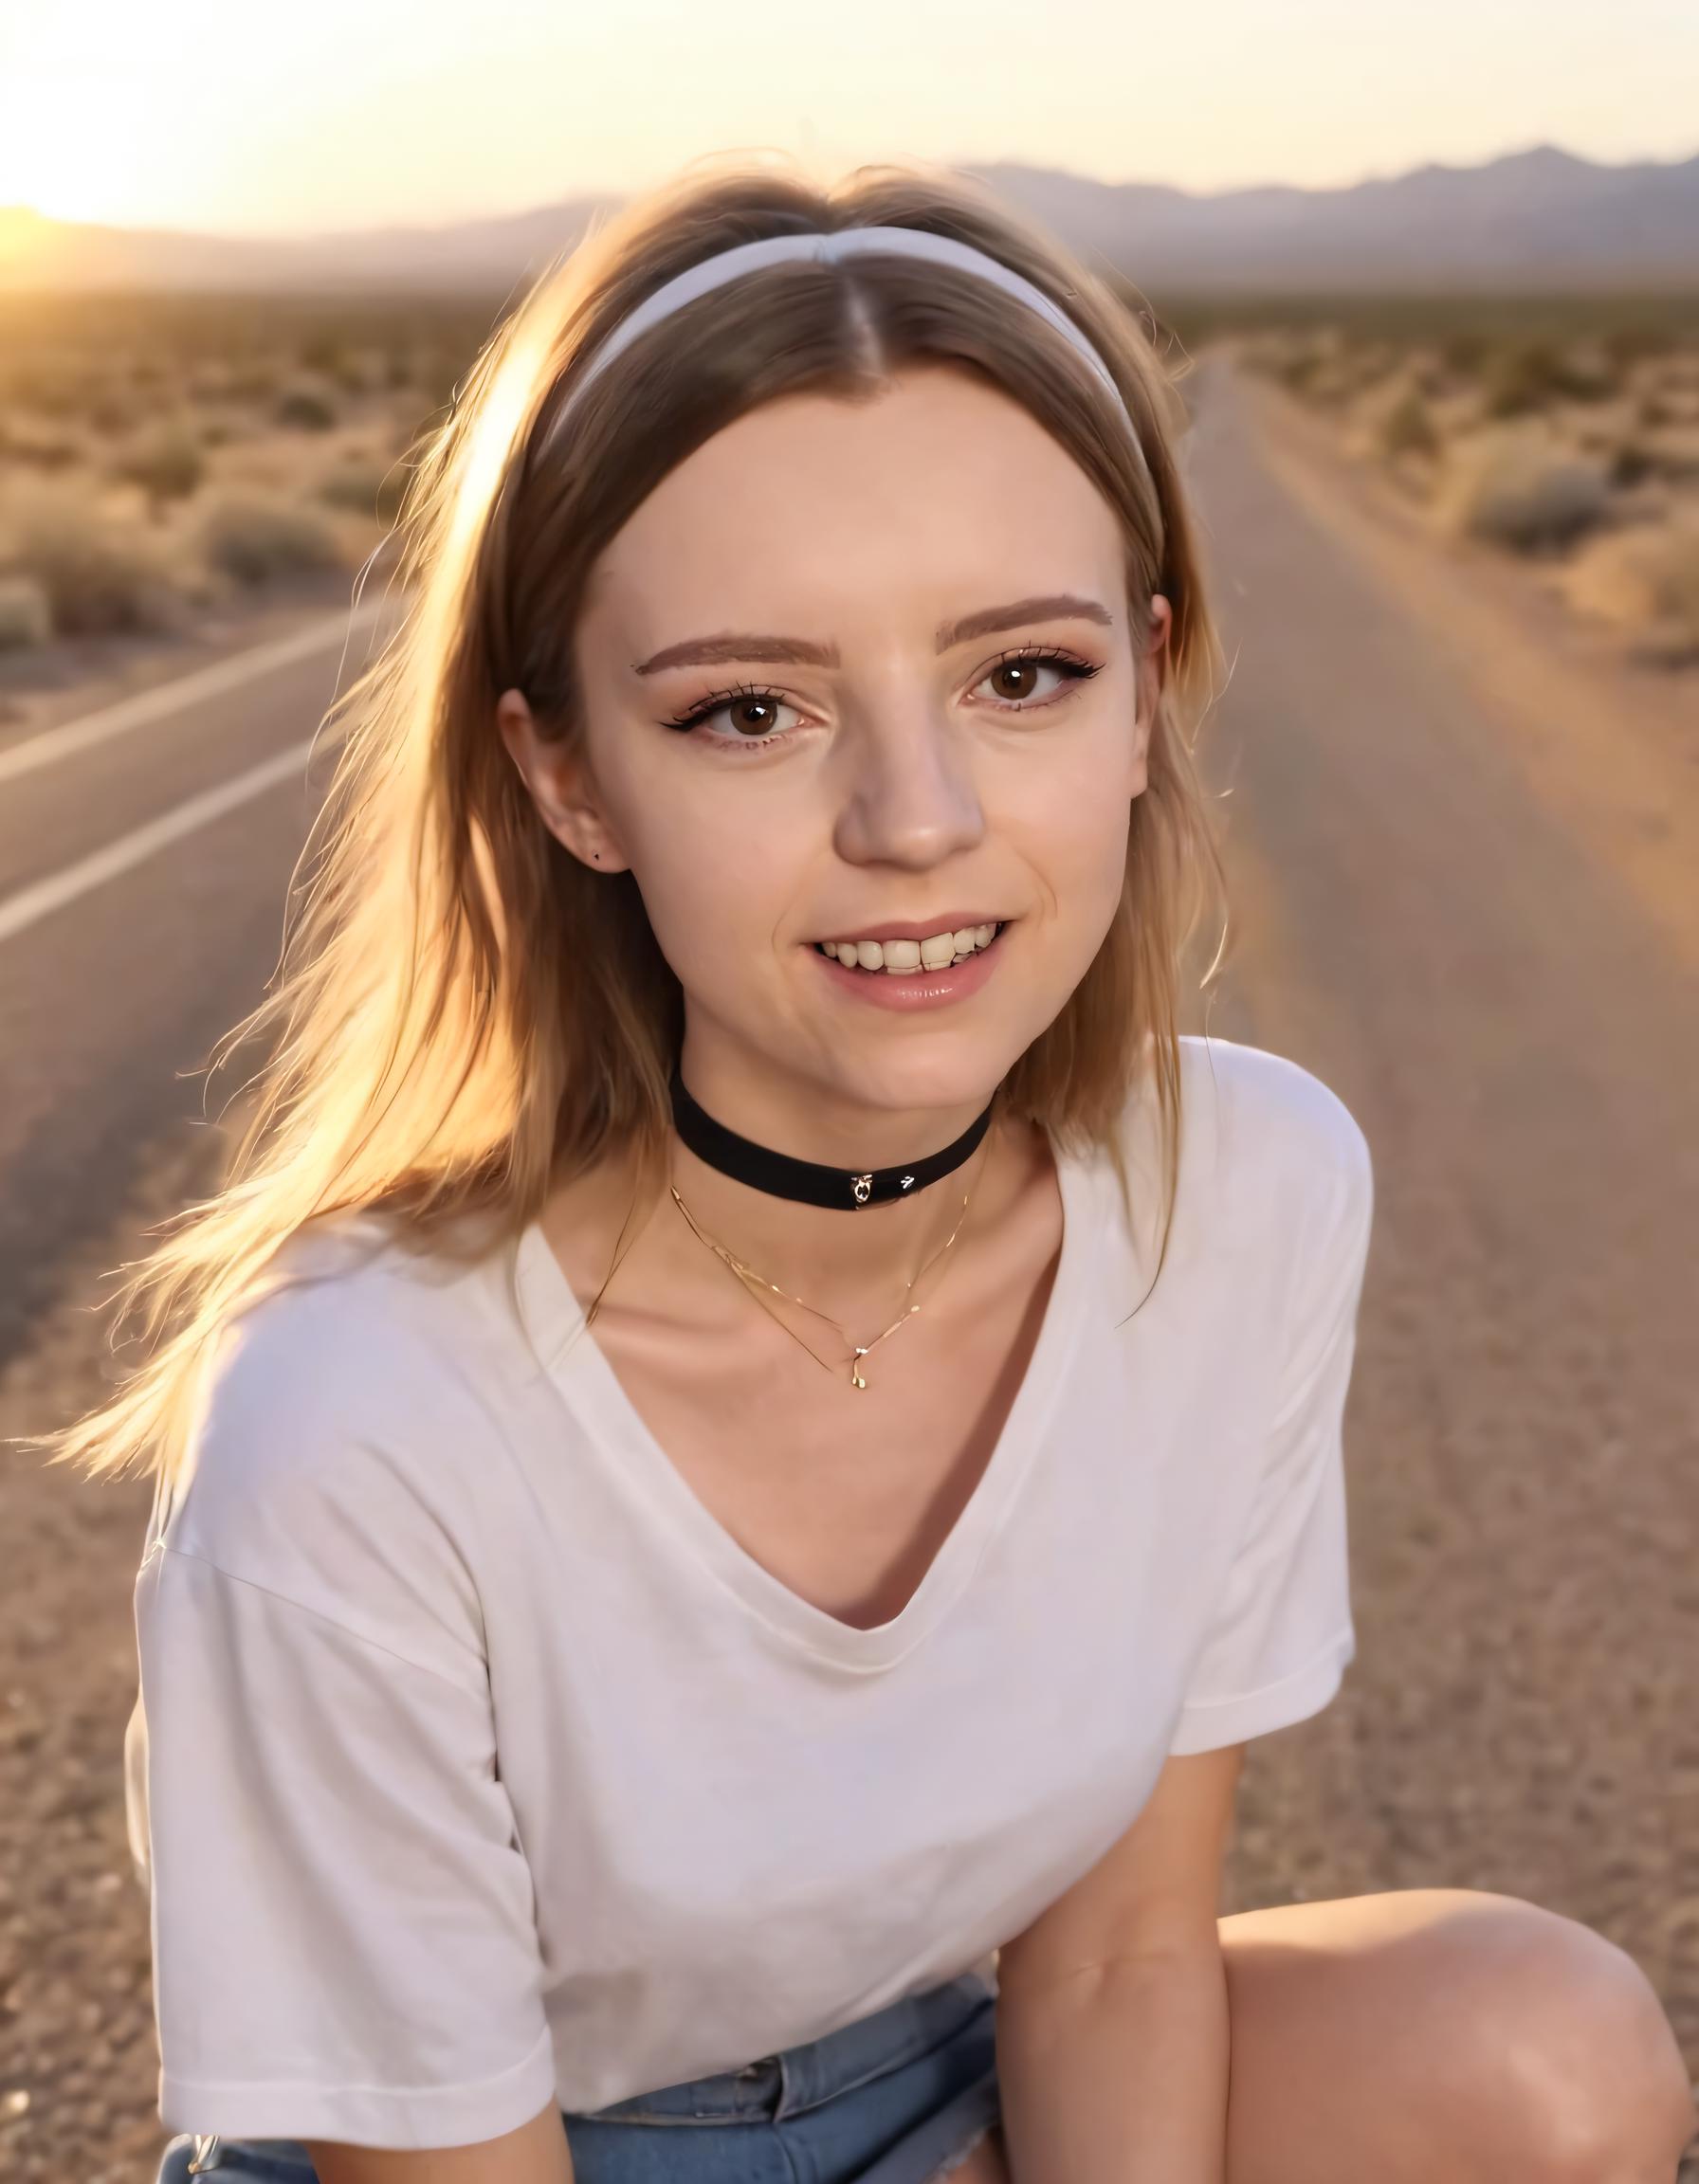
x=96 y=561
x=306 y=408
x=209 y=379
x=370 y=488
x=53 y=385
x=252 y=379
x=1407 y=428
x=25 y=613
x=1629 y=462
x=254 y=537
x=1644 y=578
x=1517 y=485
x=112 y=413
x=439 y=374
x=1298 y=369
x=1463 y=351
x=1633 y=342
x=361 y=370
x=1518 y=378
x=321 y=351
x=1585 y=372
x=42 y=443
x=168 y=463
x=1673 y=451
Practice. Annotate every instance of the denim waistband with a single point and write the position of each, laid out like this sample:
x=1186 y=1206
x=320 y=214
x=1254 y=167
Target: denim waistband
x=799 y=2078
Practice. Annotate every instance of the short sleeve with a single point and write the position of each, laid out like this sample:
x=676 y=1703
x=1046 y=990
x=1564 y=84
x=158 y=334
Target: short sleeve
x=1282 y=1633
x=342 y=1918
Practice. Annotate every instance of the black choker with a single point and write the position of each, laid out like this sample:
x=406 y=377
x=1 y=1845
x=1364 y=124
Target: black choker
x=811 y=1182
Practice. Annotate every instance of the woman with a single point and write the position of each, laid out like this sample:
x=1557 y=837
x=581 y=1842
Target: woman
x=701 y=1620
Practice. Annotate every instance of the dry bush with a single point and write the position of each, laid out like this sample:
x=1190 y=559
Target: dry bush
x=211 y=379
x=1391 y=419
x=100 y=563
x=41 y=442
x=1671 y=450
x=25 y=613
x=250 y=379
x=112 y=413
x=1517 y=485
x=305 y=407
x=1665 y=387
x=1428 y=374
x=169 y=463
x=253 y=537
x=361 y=370
x=1644 y=579
x=1521 y=376
x=367 y=486
x=1598 y=428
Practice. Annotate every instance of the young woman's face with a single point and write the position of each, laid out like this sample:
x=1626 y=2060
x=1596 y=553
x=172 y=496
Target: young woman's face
x=855 y=669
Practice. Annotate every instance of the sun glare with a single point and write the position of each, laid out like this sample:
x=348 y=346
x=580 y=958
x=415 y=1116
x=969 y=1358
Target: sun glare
x=72 y=147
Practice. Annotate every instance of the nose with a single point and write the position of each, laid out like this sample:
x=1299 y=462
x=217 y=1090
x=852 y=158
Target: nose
x=910 y=797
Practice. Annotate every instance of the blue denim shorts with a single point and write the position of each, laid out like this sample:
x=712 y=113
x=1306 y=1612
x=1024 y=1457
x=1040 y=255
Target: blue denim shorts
x=900 y=2097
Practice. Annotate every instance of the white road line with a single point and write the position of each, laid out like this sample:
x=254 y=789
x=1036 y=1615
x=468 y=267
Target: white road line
x=71 y=737
x=29 y=905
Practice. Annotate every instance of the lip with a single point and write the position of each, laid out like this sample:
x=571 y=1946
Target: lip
x=946 y=922
x=914 y=989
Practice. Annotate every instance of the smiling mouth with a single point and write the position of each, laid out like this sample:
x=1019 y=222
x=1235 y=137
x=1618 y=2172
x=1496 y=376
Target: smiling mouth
x=912 y=958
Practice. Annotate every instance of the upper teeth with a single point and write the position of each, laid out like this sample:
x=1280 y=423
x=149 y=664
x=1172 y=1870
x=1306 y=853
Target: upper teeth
x=931 y=953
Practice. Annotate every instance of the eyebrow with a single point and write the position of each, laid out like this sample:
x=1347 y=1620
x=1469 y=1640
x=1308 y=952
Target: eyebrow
x=801 y=652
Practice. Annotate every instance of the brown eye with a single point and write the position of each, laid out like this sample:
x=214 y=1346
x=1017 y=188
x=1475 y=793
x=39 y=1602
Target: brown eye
x=743 y=713
x=1014 y=675
x=1016 y=678
x=751 y=712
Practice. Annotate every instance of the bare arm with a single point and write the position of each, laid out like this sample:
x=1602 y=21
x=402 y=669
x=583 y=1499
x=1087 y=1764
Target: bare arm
x=535 y=2154
x=1112 y=2021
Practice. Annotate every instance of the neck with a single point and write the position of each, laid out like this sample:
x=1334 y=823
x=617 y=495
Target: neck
x=843 y=1261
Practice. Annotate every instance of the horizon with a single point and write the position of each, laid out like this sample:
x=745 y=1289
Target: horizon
x=27 y=213
x=411 y=115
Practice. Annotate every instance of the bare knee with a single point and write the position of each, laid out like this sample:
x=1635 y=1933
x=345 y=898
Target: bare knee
x=1574 y=2065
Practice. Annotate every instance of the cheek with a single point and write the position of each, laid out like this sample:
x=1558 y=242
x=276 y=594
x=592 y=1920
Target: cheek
x=1069 y=822
x=716 y=881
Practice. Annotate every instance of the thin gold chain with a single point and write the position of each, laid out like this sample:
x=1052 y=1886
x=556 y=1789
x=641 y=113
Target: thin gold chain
x=754 y=1283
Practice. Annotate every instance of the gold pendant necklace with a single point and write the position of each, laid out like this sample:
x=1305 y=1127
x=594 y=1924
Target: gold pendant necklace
x=754 y=1283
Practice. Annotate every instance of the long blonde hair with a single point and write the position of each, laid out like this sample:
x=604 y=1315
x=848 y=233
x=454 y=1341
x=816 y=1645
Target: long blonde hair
x=464 y=1015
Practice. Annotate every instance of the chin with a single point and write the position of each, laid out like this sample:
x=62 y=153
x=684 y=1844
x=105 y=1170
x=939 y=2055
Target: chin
x=918 y=1083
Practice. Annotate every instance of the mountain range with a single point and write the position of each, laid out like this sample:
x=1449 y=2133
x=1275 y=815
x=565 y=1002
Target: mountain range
x=1537 y=220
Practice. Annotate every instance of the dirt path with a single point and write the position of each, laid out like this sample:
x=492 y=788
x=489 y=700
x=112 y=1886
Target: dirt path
x=1493 y=969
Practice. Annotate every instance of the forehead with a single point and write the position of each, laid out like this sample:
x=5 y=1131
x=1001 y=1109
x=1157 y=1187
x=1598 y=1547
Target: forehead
x=816 y=512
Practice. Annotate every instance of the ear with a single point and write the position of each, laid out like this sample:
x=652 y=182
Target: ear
x=558 y=777
x=1151 y=670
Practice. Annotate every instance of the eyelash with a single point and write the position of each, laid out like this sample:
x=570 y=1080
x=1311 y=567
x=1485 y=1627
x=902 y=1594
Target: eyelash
x=1076 y=669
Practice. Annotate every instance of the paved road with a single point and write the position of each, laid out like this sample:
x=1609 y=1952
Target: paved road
x=1520 y=1040
x=107 y=998
x=1520 y=1044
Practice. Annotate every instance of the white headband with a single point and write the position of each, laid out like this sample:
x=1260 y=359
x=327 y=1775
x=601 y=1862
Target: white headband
x=842 y=242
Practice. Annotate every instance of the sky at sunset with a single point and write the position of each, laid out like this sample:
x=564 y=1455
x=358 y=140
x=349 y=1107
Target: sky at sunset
x=331 y=114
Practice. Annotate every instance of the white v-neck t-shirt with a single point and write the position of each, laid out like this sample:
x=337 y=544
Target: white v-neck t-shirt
x=477 y=1766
